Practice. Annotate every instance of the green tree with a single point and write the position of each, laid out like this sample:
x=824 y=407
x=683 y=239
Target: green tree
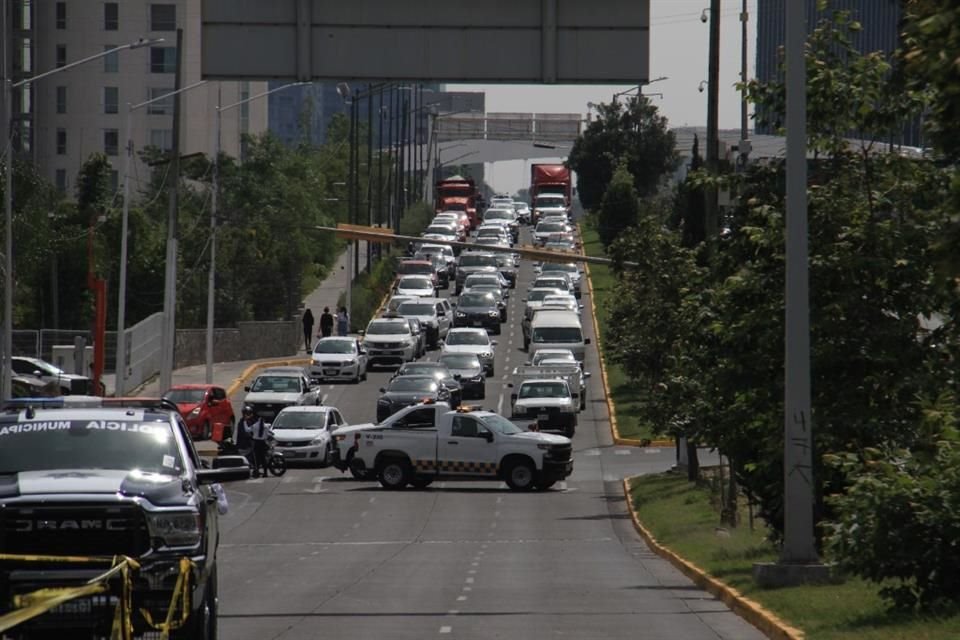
x=636 y=133
x=619 y=208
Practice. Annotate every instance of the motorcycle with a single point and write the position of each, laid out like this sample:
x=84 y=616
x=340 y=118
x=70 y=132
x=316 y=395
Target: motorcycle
x=276 y=463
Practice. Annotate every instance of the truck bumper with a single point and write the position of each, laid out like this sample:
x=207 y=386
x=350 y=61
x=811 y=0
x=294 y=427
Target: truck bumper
x=556 y=471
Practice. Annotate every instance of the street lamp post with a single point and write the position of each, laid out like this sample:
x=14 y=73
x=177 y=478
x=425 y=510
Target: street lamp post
x=121 y=358
x=638 y=88
x=214 y=202
x=5 y=371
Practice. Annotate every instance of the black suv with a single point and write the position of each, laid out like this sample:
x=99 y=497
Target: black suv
x=101 y=477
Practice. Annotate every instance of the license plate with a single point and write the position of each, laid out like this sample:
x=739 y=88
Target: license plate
x=74 y=607
x=292 y=454
x=543 y=416
x=331 y=372
x=478 y=323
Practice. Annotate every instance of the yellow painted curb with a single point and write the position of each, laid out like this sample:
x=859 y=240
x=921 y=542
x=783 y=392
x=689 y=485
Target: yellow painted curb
x=240 y=380
x=611 y=408
x=750 y=610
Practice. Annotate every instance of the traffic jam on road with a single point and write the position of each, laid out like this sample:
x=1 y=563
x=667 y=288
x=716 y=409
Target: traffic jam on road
x=475 y=398
x=440 y=353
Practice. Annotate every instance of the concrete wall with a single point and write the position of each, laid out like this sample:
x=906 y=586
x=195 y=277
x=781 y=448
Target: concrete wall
x=249 y=341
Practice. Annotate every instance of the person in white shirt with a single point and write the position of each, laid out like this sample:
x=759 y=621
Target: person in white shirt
x=260 y=433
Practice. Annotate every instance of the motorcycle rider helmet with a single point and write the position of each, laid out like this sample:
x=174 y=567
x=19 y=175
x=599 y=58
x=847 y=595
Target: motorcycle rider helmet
x=247 y=410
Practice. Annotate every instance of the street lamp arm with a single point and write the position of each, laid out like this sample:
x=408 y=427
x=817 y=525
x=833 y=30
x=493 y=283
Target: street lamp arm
x=261 y=95
x=142 y=42
x=167 y=95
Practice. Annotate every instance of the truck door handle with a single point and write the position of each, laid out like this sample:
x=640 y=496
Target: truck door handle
x=452 y=442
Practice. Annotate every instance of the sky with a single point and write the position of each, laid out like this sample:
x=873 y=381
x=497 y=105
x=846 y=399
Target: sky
x=678 y=51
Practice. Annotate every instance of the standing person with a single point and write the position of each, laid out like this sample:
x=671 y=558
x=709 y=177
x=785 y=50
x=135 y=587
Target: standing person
x=343 y=322
x=259 y=434
x=242 y=437
x=307 y=329
x=326 y=323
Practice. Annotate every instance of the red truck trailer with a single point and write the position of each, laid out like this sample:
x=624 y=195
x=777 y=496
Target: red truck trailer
x=548 y=183
x=457 y=193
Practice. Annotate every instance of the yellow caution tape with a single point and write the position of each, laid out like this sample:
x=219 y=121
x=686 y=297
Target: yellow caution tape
x=181 y=593
x=30 y=605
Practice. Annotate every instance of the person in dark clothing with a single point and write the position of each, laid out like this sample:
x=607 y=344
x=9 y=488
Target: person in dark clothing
x=326 y=323
x=343 y=322
x=242 y=436
x=259 y=433
x=307 y=329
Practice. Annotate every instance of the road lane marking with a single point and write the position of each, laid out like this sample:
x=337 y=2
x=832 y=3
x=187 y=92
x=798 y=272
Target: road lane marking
x=499 y=499
x=622 y=452
x=470 y=580
x=453 y=612
x=496 y=514
x=500 y=405
x=461 y=598
x=474 y=564
x=372 y=500
x=471 y=572
x=468 y=588
x=446 y=629
x=591 y=452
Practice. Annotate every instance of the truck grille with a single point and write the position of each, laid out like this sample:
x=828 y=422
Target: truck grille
x=90 y=529
x=560 y=452
x=293 y=444
x=387 y=345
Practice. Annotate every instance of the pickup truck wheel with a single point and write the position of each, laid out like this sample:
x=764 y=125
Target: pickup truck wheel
x=521 y=476
x=394 y=474
x=421 y=481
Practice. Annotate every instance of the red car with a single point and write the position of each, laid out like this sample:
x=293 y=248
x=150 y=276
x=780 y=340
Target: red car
x=202 y=406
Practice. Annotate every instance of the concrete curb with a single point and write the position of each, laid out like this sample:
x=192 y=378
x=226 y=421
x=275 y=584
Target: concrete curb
x=611 y=408
x=751 y=611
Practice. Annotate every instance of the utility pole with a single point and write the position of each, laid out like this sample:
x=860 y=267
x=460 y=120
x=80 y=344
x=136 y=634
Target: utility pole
x=355 y=187
x=169 y=337
x=712 y=225
x=369 y=173
x=6 y=349
x=743 y=148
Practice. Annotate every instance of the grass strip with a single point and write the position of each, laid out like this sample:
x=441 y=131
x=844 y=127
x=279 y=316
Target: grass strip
x=623 y=394
x=684 y=517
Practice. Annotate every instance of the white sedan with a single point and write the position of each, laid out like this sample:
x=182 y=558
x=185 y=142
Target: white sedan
x=303 y=434
x=417 y=286
x=338 y=358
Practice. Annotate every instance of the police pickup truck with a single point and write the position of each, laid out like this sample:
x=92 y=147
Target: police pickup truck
x=101 y=478
x=429 y=441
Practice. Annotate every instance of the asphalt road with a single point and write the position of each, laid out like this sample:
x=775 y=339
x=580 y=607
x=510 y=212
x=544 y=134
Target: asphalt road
x=318 y=554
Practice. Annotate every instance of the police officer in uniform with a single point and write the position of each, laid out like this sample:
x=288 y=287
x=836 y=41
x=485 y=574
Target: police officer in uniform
x=260 y=433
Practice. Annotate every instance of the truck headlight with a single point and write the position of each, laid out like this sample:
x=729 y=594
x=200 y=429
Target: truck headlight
x=383 y=401
x=175 y=528
x=461 y=314
x=317 y=441
x=486 y=354
x=493 y=313
x=195 y=412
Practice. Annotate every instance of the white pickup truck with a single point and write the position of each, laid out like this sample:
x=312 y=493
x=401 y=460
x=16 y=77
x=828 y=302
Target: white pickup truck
x=548 y=401
x=569 y=371
x=429 y=441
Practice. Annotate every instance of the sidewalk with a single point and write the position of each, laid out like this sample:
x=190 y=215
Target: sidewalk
x=227 y=374
x=327 y=294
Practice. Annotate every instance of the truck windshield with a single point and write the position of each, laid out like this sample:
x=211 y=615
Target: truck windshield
x=544 y=390
x=559 y=266
x=551 y=201
x=125 y=443
x=501 y=425
x=538 y=296
x=460 y=361
x=388 y=328
x=557 y=334
x=281 y=384
x=550 y=227
x=478 y=261
x=414 y=282
x=415 y=309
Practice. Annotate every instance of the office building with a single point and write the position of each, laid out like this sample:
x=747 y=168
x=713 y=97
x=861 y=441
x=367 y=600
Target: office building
x=880 y=21
x=63 y=119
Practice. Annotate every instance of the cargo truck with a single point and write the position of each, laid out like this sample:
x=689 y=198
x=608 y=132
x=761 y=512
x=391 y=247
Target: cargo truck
x=457 y=193
x=548 y=184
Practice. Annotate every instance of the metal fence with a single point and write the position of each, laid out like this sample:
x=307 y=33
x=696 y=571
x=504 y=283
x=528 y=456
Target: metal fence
x=39 y=343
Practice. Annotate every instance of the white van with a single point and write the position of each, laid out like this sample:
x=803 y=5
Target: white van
x=557 y=330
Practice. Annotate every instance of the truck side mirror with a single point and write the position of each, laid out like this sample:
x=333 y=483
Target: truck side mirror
x=586 y=341
x=486 y=435
x=247 y=388
x=587 y=374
